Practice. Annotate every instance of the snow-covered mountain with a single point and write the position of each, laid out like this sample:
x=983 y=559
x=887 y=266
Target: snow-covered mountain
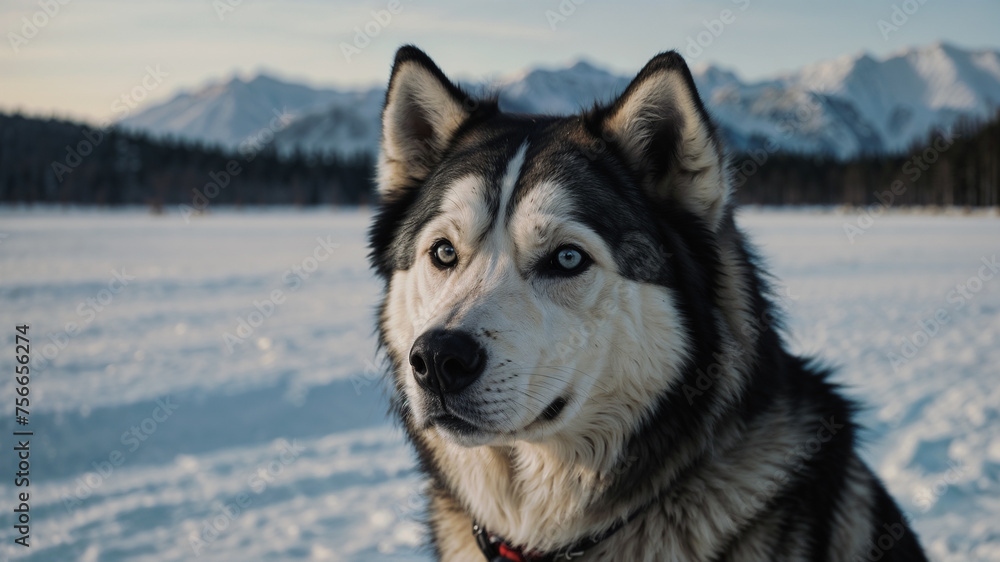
x=347 y=128
x=843 y=107
x=231 y=112
x=904 y=95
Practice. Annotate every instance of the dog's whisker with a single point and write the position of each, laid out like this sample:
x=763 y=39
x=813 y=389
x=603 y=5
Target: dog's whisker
x=596 y=379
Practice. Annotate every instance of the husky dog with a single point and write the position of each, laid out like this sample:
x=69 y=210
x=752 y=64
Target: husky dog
x=583 y=347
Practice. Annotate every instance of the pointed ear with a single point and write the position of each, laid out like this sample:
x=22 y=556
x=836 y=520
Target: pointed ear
x=423 y=109
x=662 y=129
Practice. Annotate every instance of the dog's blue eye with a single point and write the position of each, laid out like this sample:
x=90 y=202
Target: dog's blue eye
x=443 y=254
x=568 y=259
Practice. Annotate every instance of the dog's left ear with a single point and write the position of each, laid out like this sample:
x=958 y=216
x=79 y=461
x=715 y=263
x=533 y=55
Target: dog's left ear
x=423 y=110
x=662 y=129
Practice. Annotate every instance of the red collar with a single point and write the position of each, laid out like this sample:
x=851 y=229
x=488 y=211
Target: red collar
x=496 y=549
x=506 y=552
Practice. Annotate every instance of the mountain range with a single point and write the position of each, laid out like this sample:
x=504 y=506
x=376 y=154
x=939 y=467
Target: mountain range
x=848 y=106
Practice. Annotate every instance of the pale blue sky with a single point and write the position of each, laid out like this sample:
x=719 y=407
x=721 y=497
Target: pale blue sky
x=92 y=51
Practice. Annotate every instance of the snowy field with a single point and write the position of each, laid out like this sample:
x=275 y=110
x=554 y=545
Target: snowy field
x=160 y=437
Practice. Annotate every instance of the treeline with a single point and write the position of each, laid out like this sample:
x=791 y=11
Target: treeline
x=960 y=168
x=54 y=161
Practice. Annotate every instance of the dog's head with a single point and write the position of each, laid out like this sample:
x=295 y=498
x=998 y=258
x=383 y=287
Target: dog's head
x=534 y=265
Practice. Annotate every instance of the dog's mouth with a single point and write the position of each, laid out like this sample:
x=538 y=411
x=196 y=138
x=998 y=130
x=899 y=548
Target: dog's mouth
x=552 y=411
x=455 y=424
x=460 y=426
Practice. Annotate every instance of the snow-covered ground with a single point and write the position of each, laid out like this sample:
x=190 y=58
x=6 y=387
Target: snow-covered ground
x=159 y=437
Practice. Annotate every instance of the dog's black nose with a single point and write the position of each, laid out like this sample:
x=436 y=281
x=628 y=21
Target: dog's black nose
x=446 y=361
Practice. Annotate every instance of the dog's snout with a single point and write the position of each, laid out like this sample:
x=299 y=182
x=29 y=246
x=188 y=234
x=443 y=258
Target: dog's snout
x=446 y=361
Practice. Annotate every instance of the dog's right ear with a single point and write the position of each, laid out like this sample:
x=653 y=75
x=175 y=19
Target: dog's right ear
x=423 y=110
x=662 y=129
